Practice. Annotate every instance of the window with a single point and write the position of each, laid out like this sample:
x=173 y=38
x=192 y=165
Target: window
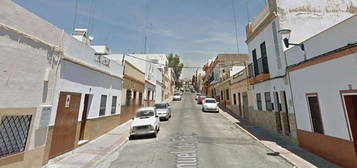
x=13 y=134
x=140 y=98
x=114 y=105
x=263 y=49
x=103 y=105
x=234 y=98
x=148 y=95
x=221 y=95
x=227 y=94
x=315 y=112
x=255 y=62
x=268 y=103
x=128 y=97
x=259 y=101
x=264 y=58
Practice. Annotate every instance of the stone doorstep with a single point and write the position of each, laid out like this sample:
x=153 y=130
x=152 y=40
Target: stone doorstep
x=287 y=155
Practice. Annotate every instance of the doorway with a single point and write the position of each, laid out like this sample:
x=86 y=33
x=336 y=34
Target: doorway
x=351 y=109
x=278 y=111
x=64 y=130
x=86 y=107
x=245 y=104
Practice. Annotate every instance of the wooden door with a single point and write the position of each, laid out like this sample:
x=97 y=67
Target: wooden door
x=64 y=131
x=278 y=110
x=245 y=104
x=351 y=107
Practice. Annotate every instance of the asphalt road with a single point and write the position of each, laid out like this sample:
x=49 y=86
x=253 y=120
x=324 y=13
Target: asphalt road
x=192 y=138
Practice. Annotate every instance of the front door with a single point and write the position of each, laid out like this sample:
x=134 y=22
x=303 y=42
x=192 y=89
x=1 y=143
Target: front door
x=351 y=108
x=64 y=130
x=278 y=110
x=245 y=104
x=86 y=106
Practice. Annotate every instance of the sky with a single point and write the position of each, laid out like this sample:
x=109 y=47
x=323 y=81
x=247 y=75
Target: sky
x=196 y=30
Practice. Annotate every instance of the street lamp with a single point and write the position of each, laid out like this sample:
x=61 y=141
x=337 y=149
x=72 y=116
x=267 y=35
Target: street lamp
x=285 y=33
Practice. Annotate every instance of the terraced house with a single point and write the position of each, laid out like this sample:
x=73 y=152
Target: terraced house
x=58 y=96
x=325 y=93
x=273 y=101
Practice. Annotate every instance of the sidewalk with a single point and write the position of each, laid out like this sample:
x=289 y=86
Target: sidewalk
x=93 y=152
x=290 y=152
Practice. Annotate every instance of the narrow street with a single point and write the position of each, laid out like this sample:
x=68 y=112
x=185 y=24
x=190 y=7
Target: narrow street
x=192 y=138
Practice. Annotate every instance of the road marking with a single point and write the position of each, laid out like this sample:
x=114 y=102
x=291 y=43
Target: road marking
x=185 y=149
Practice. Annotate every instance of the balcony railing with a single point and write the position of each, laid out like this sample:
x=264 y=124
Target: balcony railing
x=262 y=66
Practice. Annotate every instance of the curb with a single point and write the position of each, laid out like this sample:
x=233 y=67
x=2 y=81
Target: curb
x=115 y=148
x=255 y=138
x=104 y=157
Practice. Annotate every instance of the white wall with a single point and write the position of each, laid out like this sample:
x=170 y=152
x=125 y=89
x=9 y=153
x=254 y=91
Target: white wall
x=98 y=80
x=326 y=79
x=307 y=18
x=336 y=37
x=26 y=56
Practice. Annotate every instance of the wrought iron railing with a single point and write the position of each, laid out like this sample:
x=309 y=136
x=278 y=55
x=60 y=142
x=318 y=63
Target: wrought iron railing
x=14 y=131
x=262 y=66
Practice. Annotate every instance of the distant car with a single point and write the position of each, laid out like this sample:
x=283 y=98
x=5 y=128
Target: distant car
x=145 y=122
x=177 y=97
x=197 y=95
x=210 y=104
x=163 y=110
x=200 y=99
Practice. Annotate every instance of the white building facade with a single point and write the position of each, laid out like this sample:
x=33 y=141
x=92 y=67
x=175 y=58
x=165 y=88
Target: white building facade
x=324 y=87
x=53 y=84
x=273 y=102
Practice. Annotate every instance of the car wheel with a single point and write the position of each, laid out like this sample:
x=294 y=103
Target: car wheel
x=203 y=109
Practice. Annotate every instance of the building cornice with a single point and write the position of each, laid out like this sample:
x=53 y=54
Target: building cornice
x=258 y=29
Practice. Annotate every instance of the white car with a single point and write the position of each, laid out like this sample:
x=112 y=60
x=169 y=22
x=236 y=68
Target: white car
x=163 y=110
x=145 y=122
x=177 y=96
x=210 y=104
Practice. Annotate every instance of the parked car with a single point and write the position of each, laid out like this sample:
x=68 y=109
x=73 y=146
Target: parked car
x=146 y=121
x=163 y=110
x=200 y=99
x=177 y=96
x=197 y=95
x=210 y=104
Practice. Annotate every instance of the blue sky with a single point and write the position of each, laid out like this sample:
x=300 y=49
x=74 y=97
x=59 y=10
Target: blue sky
x=194 y=29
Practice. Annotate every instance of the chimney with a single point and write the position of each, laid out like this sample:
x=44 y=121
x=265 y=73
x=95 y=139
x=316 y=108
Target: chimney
x=82 y=35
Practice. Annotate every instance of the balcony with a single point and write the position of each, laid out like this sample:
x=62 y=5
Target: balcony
x=260 y=72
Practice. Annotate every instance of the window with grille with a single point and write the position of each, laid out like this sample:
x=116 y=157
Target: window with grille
x=268 y=103
x=13 y=134
x=259 y=101
x=103 y=105
x=315 y=112
x=114 y=105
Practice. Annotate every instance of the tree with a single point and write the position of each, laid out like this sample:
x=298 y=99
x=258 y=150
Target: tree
x=174 y=63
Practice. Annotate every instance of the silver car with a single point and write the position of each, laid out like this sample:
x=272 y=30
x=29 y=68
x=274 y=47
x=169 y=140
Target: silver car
x=163 y=110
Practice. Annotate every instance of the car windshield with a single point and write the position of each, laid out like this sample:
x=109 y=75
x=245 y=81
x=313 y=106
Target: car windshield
x=202 y=97
x=144 y=113
x=177 y=94
x=210 y=101
x=161 y=106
